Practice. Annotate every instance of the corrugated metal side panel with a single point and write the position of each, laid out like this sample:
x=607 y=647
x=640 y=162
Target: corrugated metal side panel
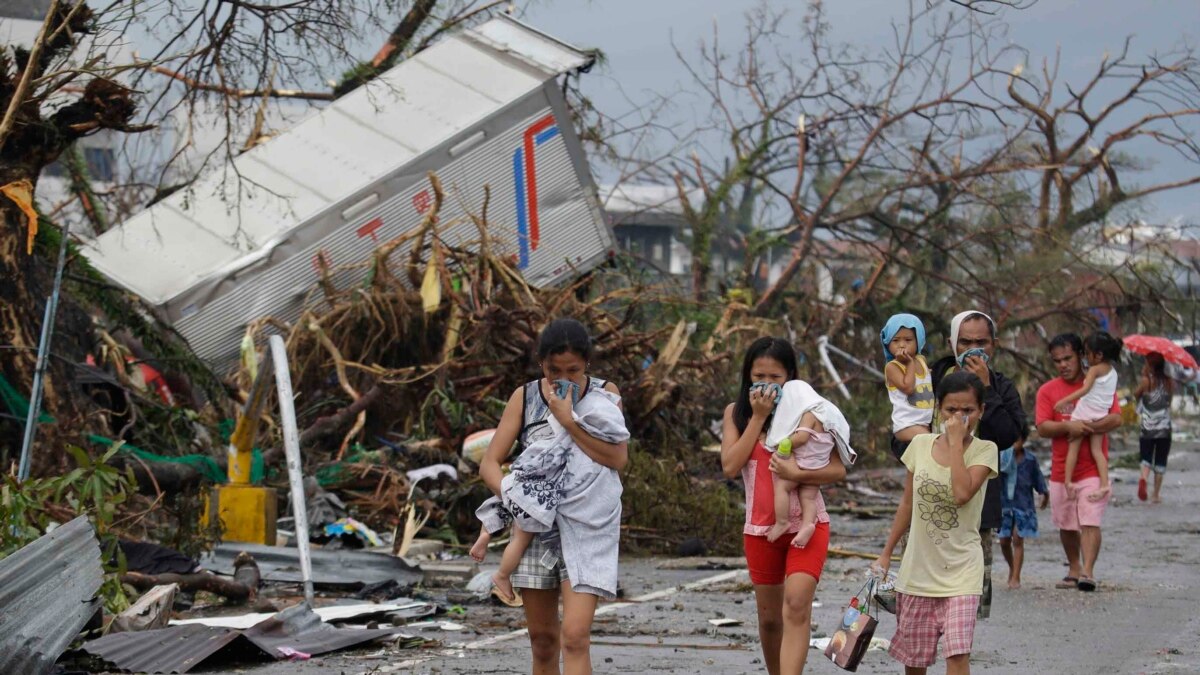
x=571 y=232
x=47 y=592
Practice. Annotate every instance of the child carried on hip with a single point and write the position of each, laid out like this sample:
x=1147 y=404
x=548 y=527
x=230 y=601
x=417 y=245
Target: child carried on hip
x=908 y=379
x=1091 y=403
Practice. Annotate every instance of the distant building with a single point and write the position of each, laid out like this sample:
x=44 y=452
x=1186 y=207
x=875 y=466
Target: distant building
x=648 y=222
x=649 y=225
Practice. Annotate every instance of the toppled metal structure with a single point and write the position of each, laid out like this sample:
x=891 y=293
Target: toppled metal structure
x=47 y=594
x=482 y=108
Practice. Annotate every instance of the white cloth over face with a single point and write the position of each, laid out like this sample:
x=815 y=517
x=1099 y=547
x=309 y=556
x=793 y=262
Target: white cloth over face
x=554 y=482
x=798 y=398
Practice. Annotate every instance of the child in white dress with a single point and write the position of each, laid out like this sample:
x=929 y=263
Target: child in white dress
x=1090 y=403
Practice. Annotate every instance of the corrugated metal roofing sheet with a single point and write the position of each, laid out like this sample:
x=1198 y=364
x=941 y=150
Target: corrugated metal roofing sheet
x=47 y=594
x=417 y=105
x=178 y=649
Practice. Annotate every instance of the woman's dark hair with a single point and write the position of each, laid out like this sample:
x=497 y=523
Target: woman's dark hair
x=769 y=347
x=1158 y=371
x=958 y=382
x=562 y=336
x=1105 y=345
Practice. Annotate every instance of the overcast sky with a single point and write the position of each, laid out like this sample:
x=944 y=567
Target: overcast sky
x=636 y=36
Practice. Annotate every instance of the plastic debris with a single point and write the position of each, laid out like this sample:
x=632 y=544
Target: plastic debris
x=353 y=527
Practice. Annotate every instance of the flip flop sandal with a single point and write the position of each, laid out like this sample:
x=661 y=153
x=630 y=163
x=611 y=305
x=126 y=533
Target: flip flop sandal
x=1087 y=585
x=1068 y=582
x=516 y=601
x=1142 y=489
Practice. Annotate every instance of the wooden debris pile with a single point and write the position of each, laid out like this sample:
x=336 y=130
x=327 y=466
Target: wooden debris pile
x=422 y=346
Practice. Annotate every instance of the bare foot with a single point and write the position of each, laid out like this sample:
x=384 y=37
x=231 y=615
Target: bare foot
x=1014 y=584
x=1156 y=500
x=504 y=586
x=777 y=530
x=1100 y=494
x=479 y=551
x=805 y=533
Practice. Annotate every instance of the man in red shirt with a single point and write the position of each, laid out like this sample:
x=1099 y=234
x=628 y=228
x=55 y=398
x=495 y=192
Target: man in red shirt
x=1078 y=519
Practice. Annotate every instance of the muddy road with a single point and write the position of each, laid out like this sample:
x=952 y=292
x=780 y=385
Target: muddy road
x=1143 y=618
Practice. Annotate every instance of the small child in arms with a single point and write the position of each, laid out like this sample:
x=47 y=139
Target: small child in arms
x=531 y=494
x=510 y=559
x=812 y=446
x=1090 y=403
x=909 y=382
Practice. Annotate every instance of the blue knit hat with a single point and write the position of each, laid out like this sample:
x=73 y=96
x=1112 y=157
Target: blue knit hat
x=894 y=325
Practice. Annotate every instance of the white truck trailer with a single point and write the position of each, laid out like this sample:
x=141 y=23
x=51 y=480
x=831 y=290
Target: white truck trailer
x=483 y=106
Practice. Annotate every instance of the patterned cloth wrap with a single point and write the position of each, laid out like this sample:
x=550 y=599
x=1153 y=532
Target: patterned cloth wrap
x=554 y=482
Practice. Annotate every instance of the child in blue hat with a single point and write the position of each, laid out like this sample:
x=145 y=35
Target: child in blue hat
x=909 y=382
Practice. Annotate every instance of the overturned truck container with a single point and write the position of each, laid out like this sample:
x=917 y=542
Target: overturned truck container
x=481 y=107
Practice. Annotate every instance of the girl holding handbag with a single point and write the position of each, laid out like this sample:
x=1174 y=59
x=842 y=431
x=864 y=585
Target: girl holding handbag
x=941 y=573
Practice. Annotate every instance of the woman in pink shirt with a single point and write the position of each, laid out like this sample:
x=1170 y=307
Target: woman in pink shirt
x=784 y=576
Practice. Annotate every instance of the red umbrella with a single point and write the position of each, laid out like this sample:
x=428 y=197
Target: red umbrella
x=1171 y=352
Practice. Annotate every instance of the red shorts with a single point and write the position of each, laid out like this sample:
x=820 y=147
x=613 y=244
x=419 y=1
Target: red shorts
x=771 y=563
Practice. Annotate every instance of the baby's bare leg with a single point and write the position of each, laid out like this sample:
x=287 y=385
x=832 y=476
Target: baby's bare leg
x=1096 y=442
x=808 y=521
x=519 y=540
x=1069 y=469
x=783 y=495
x=479 y=548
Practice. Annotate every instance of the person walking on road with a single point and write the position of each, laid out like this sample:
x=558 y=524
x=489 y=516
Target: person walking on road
x=1153 y=394
x=1077 y=517
x=545 y=572
x=941 y=574
x=1020 y=480
x=973 y=347
x=784 y=576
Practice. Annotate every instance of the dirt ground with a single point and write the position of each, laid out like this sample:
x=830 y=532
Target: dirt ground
x=1141 y=620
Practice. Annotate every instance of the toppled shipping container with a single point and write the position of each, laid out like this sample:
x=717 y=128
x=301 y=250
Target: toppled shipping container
x=481 y=107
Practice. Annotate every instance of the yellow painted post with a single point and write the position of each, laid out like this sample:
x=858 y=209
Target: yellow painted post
x=241 y=443
x=247 y=513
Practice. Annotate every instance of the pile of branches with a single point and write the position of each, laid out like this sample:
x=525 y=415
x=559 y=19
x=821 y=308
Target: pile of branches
x=422 y=345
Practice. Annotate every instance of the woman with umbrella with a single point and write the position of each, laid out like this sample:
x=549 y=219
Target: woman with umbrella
x=1153 y=394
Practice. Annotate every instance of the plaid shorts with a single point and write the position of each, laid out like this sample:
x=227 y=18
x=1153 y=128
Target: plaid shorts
x=921 y=621
x=541 y=567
